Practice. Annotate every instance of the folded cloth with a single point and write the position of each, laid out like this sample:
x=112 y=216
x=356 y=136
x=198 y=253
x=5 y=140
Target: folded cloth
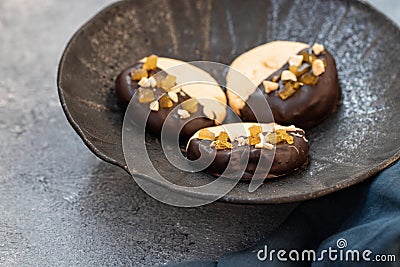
x=355 y=225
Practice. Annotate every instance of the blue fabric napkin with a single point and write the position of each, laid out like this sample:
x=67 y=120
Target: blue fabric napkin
x=362 y=220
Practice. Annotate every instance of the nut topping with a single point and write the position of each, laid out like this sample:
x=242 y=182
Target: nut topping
x=295 y=60
x=288 y=76
x=318 y=67
x=183 y=114
x=173 y=96
x=270 y=86
x=318 y=49
x=261 y=143
x=144 y=82
x=303 y=69
x=241 y=141
x=268 y=146
x=153 y=82
x=154 y=106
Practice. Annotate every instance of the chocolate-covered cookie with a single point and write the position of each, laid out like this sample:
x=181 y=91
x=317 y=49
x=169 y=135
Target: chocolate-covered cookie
x=161 y=84
x=299 y=82
x=245 y=144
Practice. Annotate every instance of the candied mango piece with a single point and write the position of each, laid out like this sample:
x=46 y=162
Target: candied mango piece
x=280 y=136
x=223 y=141
x=151 y=63
x=191 y=105
x=158 y=78
x=138 y=74
x=287 y=90
x=254 y=140
x=308 y=57
x=165 y=102
x=205 y=134
x=168 y=83
x=272 y=138
x=145 y=95
x=255 y=130
x=299 y=71
x=285 y=136
x=223 y=136
x=222 y=145
x=309 y=79
x=297 y=85
x=254 y=137
x=293 y=69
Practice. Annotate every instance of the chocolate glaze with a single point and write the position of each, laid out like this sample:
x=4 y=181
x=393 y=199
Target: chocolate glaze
x=125 y=88
x=309 y=106
x=287 y=157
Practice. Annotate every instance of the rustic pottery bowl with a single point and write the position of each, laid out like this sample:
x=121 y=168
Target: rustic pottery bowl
x=359 y=140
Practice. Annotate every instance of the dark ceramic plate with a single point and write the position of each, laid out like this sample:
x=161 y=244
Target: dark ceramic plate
x=358 y=141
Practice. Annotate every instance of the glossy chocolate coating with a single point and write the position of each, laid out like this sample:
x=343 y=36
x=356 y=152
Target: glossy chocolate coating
x=287 y=157
x=309 y=106
x=125 y=89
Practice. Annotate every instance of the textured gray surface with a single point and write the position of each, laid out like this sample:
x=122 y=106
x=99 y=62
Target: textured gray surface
x=59 y=204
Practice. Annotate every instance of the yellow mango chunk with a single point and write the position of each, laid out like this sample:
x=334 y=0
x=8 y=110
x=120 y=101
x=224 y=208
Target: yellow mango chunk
x=165 y=102
x=223 y=136
x=205 y=134
x=280 y=136
x=222 y=145
x=145 y=95
x=151 y=63
x=309 y=79
x=191 y=105
x=168 y=83
x=287 y=91
x=137 y=75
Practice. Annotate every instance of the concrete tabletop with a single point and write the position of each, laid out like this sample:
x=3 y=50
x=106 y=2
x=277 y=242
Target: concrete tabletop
x=59 y=204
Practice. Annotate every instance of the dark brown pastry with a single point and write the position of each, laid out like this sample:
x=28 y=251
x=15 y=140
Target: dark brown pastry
x=159 y=95
x=309 y=93
x=289 y=143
